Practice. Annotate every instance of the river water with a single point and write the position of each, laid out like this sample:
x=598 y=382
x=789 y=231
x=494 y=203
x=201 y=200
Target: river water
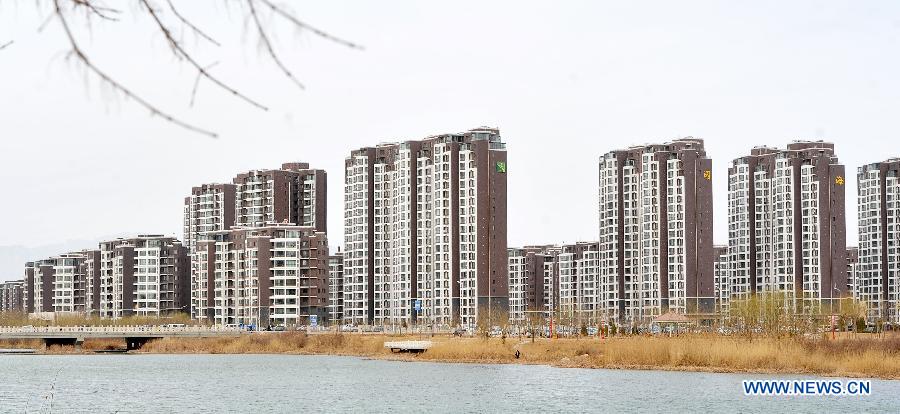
x=286 y=383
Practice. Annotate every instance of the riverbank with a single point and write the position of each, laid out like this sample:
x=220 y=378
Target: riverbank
x=848 y=356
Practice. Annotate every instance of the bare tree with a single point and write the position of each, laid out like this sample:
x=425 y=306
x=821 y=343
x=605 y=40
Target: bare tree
x=852 y=311
x=170 y=22
x=536 y=323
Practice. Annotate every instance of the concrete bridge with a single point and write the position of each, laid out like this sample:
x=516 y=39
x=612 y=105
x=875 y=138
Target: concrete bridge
x=135 y=336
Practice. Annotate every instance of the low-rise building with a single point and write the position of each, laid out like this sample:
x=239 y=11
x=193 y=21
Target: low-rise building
x=147 y=275
x=11 y=295
x=276 y=274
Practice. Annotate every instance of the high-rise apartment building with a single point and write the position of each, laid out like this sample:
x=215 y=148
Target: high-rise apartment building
x=786 y=224
x=275 y=274
x=57 y=284
x=656 y=231
x=426 y=221
x=12 y=295
x=560 y=282
x=210 y=207
x=28 y=288
x=147 y=275
x=533 y=282
x=336 y=288
x=67 y=284
x=110 y=282
x=852 y=271
x=90 y=270
x=579 y=283
x=40 y=284
x=878 y=273
x=293 y=194
x=518 y=280
x=722 y=288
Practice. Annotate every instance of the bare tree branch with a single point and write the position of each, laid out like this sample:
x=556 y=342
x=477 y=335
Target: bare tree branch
x=191 y=25
x=321 y=33
x=265 y=41
x=65 y=10
x=46 y=22
x=100 y=11
x=78 y=53
x=180 y=52
x=5 y=45
x=197 y=83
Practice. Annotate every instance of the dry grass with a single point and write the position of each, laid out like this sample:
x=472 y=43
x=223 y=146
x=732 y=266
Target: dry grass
x=21 y=343
x=859 y=356
x=470 y=350
x=843 y=357
x=103 y=344
x=852 y=356
x=269 y=343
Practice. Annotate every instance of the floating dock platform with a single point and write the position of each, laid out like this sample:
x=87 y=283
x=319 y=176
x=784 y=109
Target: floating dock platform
x=408 y=346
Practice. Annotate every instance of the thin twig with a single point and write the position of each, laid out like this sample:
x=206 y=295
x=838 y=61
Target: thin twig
x=180 y=52
x=321 y=33
x=46 y=22
x=191 y=25
x=77 y=52
x=197 y=83
x=97 y=10
x=90 y=3
x=265 y=41
x=5 y=45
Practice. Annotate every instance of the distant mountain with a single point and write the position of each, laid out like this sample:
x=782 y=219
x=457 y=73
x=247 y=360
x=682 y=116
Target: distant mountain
x=13 y=258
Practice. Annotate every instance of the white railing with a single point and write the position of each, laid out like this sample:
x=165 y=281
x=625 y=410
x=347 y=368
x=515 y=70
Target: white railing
x=117 y=329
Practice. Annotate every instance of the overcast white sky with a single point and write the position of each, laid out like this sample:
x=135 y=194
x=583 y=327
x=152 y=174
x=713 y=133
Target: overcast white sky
x=564 y=81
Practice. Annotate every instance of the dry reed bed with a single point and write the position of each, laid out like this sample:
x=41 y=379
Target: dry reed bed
x=270 y=343
x=860 y=356
x=844 y=357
